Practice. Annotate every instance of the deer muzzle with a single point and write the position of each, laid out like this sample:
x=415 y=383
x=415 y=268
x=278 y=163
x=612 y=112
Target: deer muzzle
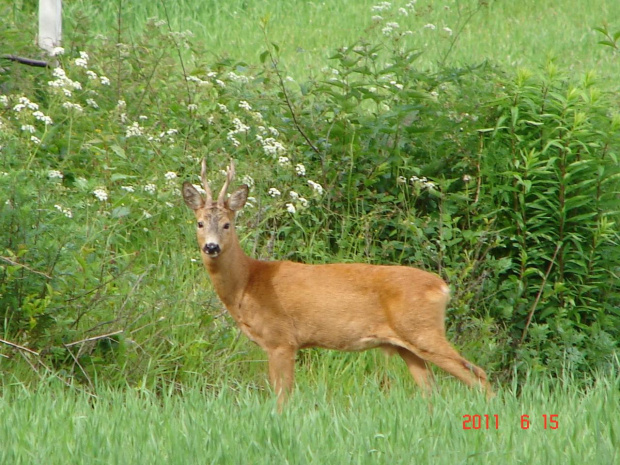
x=212 y=249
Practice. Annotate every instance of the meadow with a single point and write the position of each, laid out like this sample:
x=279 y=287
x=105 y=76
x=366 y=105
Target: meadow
x=478 y=140
x=538 y=421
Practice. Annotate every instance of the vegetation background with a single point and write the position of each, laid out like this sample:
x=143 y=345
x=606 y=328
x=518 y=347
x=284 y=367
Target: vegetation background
x=475 y=139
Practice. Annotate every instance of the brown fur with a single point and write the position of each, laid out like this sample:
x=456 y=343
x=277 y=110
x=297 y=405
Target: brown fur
x=285 y=306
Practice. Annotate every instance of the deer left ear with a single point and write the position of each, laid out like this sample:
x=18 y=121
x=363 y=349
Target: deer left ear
x=237 y=199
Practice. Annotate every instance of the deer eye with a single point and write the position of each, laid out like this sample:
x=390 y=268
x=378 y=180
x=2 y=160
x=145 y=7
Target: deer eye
x=200 y=224
x=226 y=226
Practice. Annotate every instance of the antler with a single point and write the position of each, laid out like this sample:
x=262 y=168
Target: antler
x=205 y=184
x=230 y=174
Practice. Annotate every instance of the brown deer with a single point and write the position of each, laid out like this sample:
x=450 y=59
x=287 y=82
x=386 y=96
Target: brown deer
x=285 y=306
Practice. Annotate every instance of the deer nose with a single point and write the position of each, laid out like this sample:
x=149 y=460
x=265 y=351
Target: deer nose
x=211 y=248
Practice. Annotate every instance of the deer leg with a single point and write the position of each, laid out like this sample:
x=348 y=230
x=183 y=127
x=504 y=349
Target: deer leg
x=418 y=369
x=282 y=371
x=439 y=351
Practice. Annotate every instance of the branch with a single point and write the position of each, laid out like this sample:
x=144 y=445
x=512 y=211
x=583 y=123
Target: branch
x=540 y=291
x=94 y=338
x=17 y=346
x=14 y=263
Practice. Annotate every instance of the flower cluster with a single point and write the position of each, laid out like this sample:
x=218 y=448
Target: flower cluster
x=419 y=182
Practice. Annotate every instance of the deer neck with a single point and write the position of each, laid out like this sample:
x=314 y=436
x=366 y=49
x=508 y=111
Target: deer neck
x=229 y=274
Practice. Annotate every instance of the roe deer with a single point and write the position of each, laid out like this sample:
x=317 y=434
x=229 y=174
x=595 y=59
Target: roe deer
x=285 y=306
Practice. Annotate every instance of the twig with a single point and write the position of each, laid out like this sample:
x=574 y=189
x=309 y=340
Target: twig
x=94 y=338
x=12 y=262
x=17 y=346
x=287 y=100
x=540 y=291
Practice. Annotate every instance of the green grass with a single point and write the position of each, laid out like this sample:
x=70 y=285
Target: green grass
x=519 y=34
x=321 y=424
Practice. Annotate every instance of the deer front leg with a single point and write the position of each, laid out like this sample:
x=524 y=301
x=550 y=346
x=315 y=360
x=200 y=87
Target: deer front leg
x=282 y=371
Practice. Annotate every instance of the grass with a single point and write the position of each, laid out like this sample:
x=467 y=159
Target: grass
x=321 y=424
x=523 y=34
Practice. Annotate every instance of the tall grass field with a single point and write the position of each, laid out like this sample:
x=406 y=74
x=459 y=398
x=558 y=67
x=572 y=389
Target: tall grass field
x=475 y=139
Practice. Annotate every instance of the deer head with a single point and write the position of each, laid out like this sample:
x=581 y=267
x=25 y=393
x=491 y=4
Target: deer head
x=215 y=221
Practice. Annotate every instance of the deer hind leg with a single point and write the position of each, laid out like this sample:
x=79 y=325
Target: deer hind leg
x=418 y=369
x=282 y=371
x=439 y=351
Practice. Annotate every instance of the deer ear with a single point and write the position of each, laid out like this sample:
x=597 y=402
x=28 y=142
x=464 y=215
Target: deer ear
x=192 y=197
x=237 y=199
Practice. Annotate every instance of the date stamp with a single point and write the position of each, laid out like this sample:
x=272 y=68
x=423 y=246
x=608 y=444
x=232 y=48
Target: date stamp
x=489 y=422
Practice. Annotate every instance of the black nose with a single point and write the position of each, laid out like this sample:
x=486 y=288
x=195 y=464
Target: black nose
x=211 y=248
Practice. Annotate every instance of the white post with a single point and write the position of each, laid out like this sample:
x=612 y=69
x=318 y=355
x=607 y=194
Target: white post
x=50 y=24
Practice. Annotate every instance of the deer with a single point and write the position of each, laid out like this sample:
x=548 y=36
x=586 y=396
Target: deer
x=284 y=306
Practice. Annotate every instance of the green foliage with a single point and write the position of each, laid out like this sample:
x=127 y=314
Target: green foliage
x=504 y=184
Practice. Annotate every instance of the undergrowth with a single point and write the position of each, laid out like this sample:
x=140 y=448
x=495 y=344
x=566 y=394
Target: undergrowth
x=505 y=184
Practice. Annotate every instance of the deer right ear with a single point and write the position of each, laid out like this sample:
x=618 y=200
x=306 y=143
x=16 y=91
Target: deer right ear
x=192 y=197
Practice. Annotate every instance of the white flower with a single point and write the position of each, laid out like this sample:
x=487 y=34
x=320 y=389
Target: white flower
x=316 y=186
x=101 y=194
x=192 y=107
x=143 y=117
x=41 y=117
x=239 y=126
x=92 y=103
x=403 y=12
x=466 y=178
x=303 y=202
x=72 y=106
x=220 y=83
x=300 y=169
x=150 y=188
x=121 y=104
x=402 y=179
x=104 y=80
x=284 y=161
x=382 y=6
x=91 y=74
x=273 y=192
x=272 y=147
x=377 y=18
x=448 y=30
x=128 y=188
x=81 y=63
x=222 y=108
x=170 y=175
x=294 y=195
x=430 y=26
x=4 y=100
x=245 y=105
x=134 y=130
x=28 y=128
x=35 y=139
x=274 y=132
x=248 y=180
x=290 y=208
x=54 y=174
x=57 y=51
x=64 y=211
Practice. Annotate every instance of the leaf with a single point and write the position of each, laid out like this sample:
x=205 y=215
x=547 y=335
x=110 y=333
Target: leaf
x=118 y=150
x=120 y=212
x=263 y=56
